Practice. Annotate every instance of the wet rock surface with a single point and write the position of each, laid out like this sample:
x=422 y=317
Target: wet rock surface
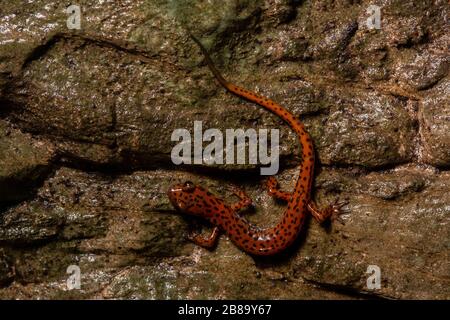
x=24 y=161
x=86 y=118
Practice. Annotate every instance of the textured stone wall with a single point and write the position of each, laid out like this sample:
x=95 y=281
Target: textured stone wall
x=86 y=118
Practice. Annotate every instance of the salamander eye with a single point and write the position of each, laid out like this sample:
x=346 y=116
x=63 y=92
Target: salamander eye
x=188 y=186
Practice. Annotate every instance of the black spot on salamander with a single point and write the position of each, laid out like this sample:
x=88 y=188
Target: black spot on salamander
x=206 y=204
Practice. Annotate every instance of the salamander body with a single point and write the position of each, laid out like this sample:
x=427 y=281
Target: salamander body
x=195 y=200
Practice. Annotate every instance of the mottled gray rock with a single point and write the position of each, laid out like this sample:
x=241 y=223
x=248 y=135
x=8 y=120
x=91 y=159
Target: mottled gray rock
x=406 y=238
x=90 y=214
x=424 y=68
x=366 y=125
x=434 y=113
x=74 y=205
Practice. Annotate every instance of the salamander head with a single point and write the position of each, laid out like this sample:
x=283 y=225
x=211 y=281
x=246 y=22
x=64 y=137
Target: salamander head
x=187 y=198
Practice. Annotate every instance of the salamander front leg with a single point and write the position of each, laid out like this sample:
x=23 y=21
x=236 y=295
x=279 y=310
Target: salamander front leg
x=274 y=190
x=331 y=212
x=205 y=242
x=245 y=201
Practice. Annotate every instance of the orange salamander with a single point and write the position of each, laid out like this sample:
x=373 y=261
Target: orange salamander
x=196 y=201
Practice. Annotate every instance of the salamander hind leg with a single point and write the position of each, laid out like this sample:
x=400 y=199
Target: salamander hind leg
x=274 y=190
x=331 y=212
x=205 y=242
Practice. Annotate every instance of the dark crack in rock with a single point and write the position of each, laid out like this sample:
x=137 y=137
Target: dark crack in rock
x=24 y=161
